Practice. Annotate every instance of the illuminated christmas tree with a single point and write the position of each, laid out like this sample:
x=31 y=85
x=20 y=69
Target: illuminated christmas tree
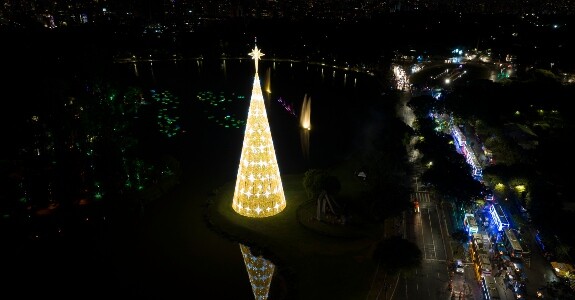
x=260 y=272
x=259 y=191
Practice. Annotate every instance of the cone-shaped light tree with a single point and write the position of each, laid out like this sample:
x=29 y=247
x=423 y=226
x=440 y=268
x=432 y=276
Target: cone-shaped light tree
x=259 y=191
x=260 y=272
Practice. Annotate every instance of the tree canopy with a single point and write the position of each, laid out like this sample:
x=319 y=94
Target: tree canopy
x=396 y=254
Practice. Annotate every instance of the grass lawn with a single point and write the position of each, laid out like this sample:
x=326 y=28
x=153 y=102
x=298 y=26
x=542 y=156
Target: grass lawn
x=314 y=260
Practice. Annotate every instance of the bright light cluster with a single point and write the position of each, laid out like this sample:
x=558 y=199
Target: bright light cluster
x=467 y=151
x=259 y=191
x=260 y=271
x=416 y=68
x=401 y=79
x=305 y=123
x=305 y=115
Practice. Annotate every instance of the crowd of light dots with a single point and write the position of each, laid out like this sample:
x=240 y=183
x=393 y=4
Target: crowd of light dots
x=167 y=118
x=259 y=191
x=220 y=108
x=260 y=272
x=416 y=68
x=140 y=172
x=401 y=79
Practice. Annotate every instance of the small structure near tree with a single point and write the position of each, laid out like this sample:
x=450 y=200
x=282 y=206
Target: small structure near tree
x=327 y=209
x=362 y=175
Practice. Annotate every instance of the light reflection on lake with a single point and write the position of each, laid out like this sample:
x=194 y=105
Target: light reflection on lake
x=260 y=272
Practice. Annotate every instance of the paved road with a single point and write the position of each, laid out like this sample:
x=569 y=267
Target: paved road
x=428 y=230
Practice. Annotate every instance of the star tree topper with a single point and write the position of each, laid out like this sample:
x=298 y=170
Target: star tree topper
x=256 y=55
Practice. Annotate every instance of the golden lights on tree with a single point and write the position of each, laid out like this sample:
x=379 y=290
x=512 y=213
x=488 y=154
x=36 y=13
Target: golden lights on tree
x=259 y=191
x=260 y=272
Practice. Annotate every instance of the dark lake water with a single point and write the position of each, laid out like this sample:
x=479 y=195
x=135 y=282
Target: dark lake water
x=337 y=96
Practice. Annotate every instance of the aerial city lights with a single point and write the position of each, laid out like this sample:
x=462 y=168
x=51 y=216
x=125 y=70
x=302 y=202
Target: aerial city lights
x=258 y=191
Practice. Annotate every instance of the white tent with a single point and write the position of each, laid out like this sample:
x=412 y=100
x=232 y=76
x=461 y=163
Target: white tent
x=326 y=206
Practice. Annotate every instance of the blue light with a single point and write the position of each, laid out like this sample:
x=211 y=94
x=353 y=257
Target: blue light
x=498 y=217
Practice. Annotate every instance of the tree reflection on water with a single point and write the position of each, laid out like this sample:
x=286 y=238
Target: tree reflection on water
x=260 y=272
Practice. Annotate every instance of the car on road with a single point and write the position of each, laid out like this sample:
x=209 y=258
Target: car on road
x=519 y=290
x=459 y=267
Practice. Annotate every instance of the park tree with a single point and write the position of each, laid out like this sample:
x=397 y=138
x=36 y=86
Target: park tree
x=422 y=106
x=445 y=169
x=397 y=254
x=461 y=237
x=316 y=181
x=389 y=170
x=504 y=150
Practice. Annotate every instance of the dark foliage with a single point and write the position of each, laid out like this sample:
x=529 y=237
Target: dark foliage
x=397 y=254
